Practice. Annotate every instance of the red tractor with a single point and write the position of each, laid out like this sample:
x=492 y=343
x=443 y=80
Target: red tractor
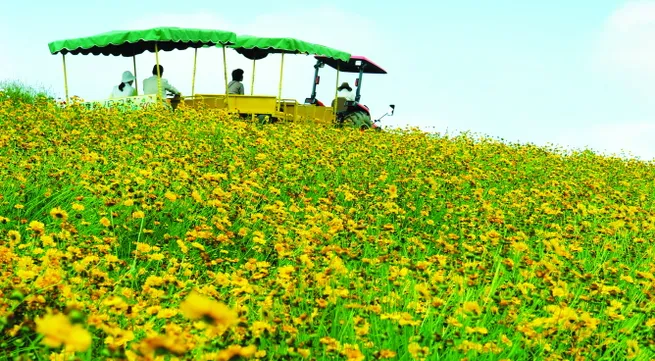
x=350 y=112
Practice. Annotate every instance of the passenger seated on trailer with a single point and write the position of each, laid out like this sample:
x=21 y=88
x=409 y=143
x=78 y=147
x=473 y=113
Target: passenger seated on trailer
x=150 y=84
x=125 y=88
x=235 y=86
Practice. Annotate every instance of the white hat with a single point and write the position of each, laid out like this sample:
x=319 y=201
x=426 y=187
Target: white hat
x=127 y=76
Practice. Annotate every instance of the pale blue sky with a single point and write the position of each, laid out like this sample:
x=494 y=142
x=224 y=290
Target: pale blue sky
x=574 y=73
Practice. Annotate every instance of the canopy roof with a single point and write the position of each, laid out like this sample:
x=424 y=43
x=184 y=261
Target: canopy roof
x=350 y=66
x=255 y=47
x=133 y=42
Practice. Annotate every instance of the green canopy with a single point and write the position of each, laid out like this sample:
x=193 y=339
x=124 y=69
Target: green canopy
x=133 y=42
x=255 y=47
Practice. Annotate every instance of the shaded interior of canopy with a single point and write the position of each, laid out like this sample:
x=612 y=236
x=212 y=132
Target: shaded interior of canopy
x=261 y=53
x=136 y=48
x=351 y=67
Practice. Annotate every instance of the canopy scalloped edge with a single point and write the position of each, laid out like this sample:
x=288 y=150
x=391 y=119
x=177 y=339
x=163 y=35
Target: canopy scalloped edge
x=134 y=42
x=255 y=48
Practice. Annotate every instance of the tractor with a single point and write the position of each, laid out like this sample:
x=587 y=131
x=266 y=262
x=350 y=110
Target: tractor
x=349 y=112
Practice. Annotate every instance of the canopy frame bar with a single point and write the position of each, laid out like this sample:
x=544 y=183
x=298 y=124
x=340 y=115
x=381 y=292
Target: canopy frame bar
x=158 y=73
x=225 y=73
x=252 y=81
x=63 y=58
x=136 y=80
x=279 y=93
x=193 y=78
x=336 y=94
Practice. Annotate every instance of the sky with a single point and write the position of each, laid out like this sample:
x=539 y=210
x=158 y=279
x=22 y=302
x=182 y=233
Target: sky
x=573 y=74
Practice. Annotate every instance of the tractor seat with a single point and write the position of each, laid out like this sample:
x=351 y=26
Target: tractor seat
x=341 y=104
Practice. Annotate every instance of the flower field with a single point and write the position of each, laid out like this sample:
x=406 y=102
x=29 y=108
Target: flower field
x=189 y=235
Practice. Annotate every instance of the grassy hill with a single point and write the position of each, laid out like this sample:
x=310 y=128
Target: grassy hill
x=197 y=236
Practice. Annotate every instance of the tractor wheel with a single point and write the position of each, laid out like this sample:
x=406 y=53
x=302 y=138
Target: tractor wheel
x=358 y=120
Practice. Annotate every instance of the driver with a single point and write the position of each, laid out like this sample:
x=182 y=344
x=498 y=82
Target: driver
x=345 y=91
x=150 y=84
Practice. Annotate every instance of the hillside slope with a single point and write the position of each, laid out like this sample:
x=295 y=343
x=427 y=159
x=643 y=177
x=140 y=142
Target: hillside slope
x=294 y=241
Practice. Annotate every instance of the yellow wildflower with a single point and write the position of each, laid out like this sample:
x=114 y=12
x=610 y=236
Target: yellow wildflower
x=197 y=306
x=47 y=241
x=105 y=221
x=417 y=351
x=58 y=331
x=37 y=227
x=170 y=196
x=472 y=307
x=14 y=236
x=58 y=213
x=234 y=351
x=384 y=354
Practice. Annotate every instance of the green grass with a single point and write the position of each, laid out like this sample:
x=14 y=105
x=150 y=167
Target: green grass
x=20 y=92
x=469 y=247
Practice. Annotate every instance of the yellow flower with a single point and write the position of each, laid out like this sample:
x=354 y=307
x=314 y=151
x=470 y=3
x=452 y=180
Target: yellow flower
x=166 y=313
x=353 y=353
x=632 y=349
x=78 y=207
x=143 y=247
x=480 y=330
x=47 y=241
x=138 y=215
x=170 y=196
x=559 y=292
x=386 y=354
x=105 y=221
x=170 y=344
x=156 y=257
x=118 y=338
x=417 y=351
x=58 y=331
x=58 y=213
x=650 y=322
x=198 y=246
x=234 y=351
x=197 y=306
x=472 y=307
x=37 y=227
x=14 y=236
x=392 y=190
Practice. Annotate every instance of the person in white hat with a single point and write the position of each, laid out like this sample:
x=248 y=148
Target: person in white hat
x=125 y=88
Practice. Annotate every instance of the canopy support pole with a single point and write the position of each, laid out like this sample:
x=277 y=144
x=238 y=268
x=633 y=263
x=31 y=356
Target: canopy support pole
x=225 y=73
x=63 y=57
x=158 y=72
x=317 y=66
x=193 y=78
x=279 y=93
x=252 y=82
x=136 y=80
x=359 y=83
x=336 y=93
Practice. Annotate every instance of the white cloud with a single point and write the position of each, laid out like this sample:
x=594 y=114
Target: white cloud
x=625 y=48
x=633 y=13
x=624 y=53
